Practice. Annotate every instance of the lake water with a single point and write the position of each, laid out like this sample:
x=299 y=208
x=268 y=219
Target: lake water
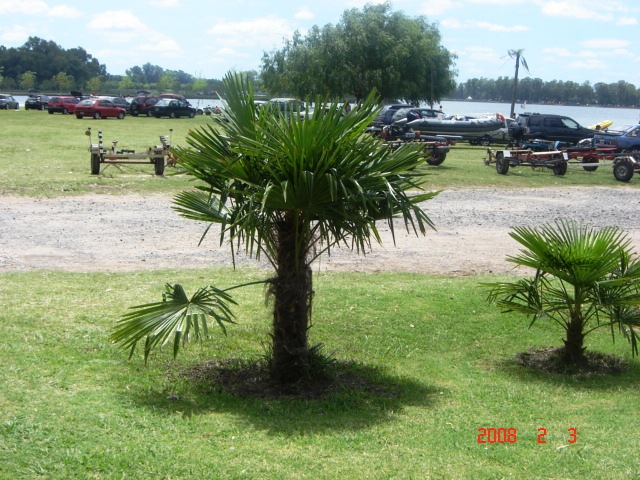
x=585 y=116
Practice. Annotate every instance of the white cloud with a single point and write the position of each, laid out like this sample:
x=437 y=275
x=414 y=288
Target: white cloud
x=117 y=20
x=557 y=52
x=266 y=32
x=432 y=8
x=493 y=27
x=64 y=11
x=28 y=7
x=15 y=34
x=605 y=43
x=38 y=7
x=628 y=21
x=164 y=3
x=576 y=9
x=304 y=13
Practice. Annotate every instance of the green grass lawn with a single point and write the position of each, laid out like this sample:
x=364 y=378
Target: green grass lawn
x=440 y=358
x=47 y=155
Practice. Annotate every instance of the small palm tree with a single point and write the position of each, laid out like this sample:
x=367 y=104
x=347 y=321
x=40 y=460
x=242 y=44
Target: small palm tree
x=585 y=279
x=289 y=189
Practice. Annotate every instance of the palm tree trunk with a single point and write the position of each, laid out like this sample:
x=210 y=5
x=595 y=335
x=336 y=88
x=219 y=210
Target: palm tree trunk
x=574 y=343
x=292 y=289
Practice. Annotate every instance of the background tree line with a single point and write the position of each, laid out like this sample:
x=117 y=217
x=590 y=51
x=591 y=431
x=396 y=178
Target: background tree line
x=535 y=90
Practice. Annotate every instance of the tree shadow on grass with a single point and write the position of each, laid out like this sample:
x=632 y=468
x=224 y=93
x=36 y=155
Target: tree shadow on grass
x=602 y=371
x=356 y=396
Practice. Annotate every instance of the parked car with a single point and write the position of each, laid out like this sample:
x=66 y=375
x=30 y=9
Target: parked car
x=7 y=102
x=65 y=104
x=546 y=126
x=121 y=102
x=36 y=102
x=627 y=140
x=168 y=107
x=99 y=108
x=385 y=116
x=285 y=106
x=142 y=104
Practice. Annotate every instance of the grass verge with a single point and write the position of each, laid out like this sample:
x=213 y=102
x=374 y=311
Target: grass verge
x=74 y=407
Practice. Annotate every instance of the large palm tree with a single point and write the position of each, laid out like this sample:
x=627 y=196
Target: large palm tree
x=585 y=279
x=288 y=189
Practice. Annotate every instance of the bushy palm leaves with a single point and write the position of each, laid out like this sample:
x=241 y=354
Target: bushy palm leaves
x=291 y=189
x=585 y=279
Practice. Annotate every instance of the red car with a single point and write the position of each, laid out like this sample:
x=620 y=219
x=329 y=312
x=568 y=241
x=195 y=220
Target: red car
x=63 y=104
x=99 y=108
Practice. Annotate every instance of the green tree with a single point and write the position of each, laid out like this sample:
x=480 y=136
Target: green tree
x=585 y=279
x=125 y=84
x=27 y=80
x=94 y=85
x=290 y=190
x=62 y=81
x=372 y=48
x=167 y=82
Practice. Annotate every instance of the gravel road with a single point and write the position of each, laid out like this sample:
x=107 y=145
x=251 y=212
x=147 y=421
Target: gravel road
x=93 y=233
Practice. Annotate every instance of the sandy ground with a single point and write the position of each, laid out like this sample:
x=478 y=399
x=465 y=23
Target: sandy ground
x=124 y=233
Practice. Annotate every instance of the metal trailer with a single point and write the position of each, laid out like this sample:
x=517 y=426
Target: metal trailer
x=157 y=155
x=435 y=147
x=504 y=159
x=558 y=160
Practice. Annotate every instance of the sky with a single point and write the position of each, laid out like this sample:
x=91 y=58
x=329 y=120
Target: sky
x=568 y=40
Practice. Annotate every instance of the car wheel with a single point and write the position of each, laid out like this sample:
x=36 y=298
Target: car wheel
x=192 y=114
x=172 y=115
x=149 y=113
x=590 y=159
x=97 y=116
x=120 y=115
x=65 y=112
x=623 y=170
x=502 y=164
x=50 y=111
x=79 y=116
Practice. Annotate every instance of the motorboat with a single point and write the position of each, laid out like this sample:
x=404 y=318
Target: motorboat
x=475 y=128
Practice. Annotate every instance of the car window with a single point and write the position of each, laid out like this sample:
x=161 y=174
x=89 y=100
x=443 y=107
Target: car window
x=552 y=122
x=534 y=122
x=569 y=123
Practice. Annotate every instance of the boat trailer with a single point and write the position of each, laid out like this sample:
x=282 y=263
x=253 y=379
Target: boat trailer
x=436 y=147
x=540 y=156
x=158 y=155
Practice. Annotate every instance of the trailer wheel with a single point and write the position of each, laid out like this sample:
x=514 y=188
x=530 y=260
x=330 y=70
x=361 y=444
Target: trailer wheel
x=436 y=158
x=95 y=164
x=485 y=141
x=623 y=170
x=560 y=168
x=502 y=164
x=158 y=164
x=590 y=159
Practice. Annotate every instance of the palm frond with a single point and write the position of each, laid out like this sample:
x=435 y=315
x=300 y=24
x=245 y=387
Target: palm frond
x=175 y=316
